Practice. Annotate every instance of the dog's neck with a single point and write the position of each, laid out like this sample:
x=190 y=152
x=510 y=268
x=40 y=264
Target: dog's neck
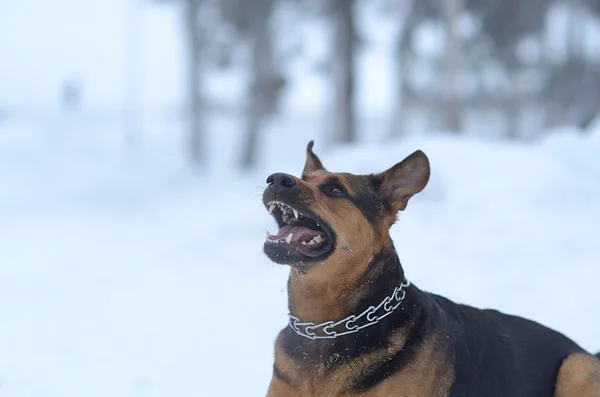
x=333 y=297
x=332 y=300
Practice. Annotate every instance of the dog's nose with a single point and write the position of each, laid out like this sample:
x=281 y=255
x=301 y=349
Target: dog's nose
x=280 y=181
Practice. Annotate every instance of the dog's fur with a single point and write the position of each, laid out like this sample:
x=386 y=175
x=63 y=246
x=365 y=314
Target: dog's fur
x=429 y=346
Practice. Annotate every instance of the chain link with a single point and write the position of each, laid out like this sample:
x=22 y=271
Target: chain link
x=348 y=324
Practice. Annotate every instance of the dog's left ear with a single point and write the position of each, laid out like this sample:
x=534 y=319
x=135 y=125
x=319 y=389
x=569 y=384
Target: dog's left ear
x=312 y=161
x=405 y=179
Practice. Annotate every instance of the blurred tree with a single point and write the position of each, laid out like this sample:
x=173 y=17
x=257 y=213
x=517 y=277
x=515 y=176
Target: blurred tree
x=340 y=69
x=445 y=101
x=505 y=24
x=406 y=14
x=593 y=6
x=571 y=89
x=451 y=109
x=199 y=25
x=494 y=62
x=133 y=65
x=343 y=69
x=195 y=44
x=591 y=101
x=571 y=92
x=252 y=26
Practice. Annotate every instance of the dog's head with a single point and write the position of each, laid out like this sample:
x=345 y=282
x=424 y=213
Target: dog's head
x=337 y=219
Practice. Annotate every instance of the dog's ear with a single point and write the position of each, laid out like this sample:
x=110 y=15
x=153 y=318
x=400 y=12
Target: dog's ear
x=405 y=179
x=312 y=161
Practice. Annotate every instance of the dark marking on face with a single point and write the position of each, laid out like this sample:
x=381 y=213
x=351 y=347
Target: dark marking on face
x=365 y=196
x=361 y=190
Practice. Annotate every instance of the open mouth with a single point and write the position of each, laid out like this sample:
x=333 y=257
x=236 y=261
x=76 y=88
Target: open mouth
x=300 y=233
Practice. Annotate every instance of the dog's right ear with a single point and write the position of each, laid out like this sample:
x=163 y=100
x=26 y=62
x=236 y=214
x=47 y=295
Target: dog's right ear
x=312 y=161
x=405 y=179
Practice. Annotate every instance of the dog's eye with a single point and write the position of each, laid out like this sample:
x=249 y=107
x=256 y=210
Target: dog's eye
x=334 y=191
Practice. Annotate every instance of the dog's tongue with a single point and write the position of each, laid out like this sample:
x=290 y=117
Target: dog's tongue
x=299 y=233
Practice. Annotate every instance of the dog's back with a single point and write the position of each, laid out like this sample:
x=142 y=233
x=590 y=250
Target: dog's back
x=502 y=355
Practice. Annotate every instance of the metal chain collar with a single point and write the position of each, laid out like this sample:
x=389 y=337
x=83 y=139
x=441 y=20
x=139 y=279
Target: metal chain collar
x=348 y=325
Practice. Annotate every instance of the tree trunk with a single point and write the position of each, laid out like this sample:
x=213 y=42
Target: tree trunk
x=343 y=71
x=513 y=106
x=575 y=29
x=133 y=76
x=451 y=107
x=195 y=133
x=401 y=54
x=262 y=91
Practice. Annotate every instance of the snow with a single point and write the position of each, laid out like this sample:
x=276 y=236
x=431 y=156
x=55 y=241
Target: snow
x=127 y=274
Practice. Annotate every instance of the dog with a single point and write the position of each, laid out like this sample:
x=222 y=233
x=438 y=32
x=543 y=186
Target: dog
x=357 y=326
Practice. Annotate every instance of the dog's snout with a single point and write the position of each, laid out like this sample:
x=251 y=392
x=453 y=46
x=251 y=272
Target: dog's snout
x=281 y=181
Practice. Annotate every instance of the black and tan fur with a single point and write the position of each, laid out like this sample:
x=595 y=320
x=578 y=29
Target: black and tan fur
x=429 y=346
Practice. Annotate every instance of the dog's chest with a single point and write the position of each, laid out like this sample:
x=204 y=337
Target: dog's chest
x=419 y=379
x=400 y=385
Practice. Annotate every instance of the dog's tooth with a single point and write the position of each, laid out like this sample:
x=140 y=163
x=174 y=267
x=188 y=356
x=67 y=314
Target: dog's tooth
x=303 y=243
x=288 y=239
x=271 y=208
x=311 y=242
x=295 y=213
x=317 y=238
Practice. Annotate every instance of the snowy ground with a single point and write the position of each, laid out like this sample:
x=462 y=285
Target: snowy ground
x=125 y=275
